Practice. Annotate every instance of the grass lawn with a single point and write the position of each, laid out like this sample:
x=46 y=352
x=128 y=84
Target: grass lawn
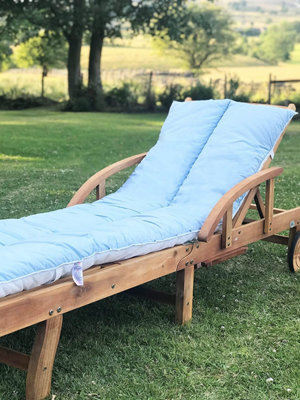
x=246 y=323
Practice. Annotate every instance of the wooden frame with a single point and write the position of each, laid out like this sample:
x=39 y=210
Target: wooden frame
x=46 y=305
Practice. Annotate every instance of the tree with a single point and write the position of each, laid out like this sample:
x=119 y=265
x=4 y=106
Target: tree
x=207 y=36
x=275 y=44
x=47 y=50
x=25 y=18
x=5 y=52
x=9 y=28
x=72 y=18
x=106 y=19
x=64 y=17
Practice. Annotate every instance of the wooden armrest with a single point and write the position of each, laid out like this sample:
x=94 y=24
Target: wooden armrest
x=99 y=177
x=226 y=202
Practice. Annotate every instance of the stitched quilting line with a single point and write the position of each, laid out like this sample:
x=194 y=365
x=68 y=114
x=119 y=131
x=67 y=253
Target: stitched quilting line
x=189 y=170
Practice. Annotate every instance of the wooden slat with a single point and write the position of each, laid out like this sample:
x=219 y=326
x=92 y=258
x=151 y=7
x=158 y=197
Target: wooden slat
x=269 y=205
x=227 y=200
x=241 y=214
x=242 y=236
x=38 y=382
x=184 y=294
x=14 y=358
x=155 y=295
x=227 y=229
x=100 y=191
x=30 y=307
x=278 y=239
x=260 y=205
x=231 y=254
x=101 y=176
x=275 y=209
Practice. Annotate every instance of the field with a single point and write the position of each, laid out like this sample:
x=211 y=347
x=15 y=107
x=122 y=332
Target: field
x=132 y=59
x=246 y=325
x=261 y=13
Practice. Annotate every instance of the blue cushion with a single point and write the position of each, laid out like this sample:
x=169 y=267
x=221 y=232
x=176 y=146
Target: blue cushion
x=204 y=149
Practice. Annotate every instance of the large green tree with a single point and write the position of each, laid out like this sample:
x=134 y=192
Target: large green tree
x=276 y=43
x=101 y=19
x=46 y=50
x=10 y=23
x=107 y=18
x=205 y=37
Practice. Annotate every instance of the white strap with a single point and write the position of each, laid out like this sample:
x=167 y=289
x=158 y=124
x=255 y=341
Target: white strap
x=77 y=274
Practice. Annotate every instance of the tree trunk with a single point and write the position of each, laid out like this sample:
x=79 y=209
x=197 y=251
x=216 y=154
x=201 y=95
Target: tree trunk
x=96 y=46
x=43 y=77
x=44 y=74
x=74 y=72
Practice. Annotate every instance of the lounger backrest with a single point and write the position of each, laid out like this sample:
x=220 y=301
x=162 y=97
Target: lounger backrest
x=243 y=139
x=184 y=134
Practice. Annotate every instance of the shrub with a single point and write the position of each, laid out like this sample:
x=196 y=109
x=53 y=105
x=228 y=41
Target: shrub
x=234 y=93
x=199 y=92
x=88 y=99
x=122 y=98
x=23 y=101
x=178 y=92
x=170 y=93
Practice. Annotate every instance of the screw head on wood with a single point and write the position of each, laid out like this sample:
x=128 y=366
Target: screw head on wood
x=113 y=285
x=51 y=312
x=58 y=309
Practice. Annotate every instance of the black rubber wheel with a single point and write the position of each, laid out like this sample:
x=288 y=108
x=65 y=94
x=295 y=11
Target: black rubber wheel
x=294 y=254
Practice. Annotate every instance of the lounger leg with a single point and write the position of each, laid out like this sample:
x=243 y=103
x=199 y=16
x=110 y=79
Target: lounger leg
x=38 y=383
x=184 y=294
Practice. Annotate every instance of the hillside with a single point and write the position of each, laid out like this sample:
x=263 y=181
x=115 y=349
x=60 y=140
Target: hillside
x=256 y=13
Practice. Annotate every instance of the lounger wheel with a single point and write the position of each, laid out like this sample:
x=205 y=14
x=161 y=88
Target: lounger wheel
x=294 y=254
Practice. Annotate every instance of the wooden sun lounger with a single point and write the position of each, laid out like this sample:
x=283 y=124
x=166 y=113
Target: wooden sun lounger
x=46 y=305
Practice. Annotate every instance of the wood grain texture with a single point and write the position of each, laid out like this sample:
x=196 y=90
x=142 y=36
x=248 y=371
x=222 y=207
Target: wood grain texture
x=100 y=177
x=227 y=229
x=14 y=358
x=278 y=239
x=241 y=236
x=224 y=257
x=233 y=194
x=36 y=305
x=241 y=214
x=259 y=204
x=184 y=294
x=269 y=205
x=38 y=383
x=294 y=247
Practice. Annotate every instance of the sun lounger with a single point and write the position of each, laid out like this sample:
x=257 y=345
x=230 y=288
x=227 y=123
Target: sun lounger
x=184 y=206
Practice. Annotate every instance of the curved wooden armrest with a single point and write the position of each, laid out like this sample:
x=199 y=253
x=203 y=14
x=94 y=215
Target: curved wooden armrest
x=99 y=177
x=233 y=194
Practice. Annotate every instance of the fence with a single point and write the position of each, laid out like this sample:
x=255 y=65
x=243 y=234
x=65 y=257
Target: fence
x=275 y=82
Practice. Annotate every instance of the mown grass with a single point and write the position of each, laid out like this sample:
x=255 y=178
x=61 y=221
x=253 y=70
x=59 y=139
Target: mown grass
x=246 y=322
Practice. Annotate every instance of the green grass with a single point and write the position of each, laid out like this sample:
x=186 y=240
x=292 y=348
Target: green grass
x=246 y=322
